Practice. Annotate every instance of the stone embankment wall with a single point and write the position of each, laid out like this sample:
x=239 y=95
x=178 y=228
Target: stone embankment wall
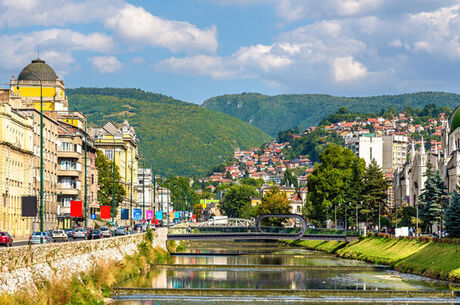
x=26 y=266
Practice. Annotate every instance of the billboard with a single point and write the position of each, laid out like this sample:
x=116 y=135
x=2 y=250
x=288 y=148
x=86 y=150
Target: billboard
x=137 y=214
x=149 y=214
x=159 y=215
x=29 y=206
x=76 y=208
x=105 y=211
x=124 y=214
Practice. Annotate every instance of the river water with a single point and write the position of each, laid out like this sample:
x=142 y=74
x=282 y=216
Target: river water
x=264 y=266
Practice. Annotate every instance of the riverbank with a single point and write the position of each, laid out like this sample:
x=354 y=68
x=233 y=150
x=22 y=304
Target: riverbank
x=422 y=257
x=94 y=285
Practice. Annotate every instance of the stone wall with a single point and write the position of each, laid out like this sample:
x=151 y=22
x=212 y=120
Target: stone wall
x=23 y=267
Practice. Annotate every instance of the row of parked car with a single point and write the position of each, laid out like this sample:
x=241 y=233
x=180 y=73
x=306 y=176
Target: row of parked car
x=77 y=233
x=50 y=236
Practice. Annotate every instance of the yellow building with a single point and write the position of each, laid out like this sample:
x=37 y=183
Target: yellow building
x=25 y=90
x=120 y=142
x=61 y=168
x=16 y=170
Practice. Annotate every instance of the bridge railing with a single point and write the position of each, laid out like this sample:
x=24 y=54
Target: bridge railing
x=268 y=229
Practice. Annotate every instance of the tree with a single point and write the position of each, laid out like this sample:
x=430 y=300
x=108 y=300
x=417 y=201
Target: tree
x=252 y=181
x=235 y=199
x=182 y=195
x=331 y=182
x=274 y=202
x=289 y=179
x=453 y=216
x=105 y=180
x=374 y=191
x=432 y=199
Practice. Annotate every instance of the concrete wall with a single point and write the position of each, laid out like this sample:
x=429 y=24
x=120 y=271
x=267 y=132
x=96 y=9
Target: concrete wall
x=22 y=267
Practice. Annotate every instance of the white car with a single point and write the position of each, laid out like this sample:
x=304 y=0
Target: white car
x=105 y=231
x=59 y=235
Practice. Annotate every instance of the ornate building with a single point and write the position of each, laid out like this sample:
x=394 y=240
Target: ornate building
x=36 y=82
x=119 y=142
x=16 y=170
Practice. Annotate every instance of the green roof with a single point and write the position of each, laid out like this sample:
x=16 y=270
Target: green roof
x=454 y=120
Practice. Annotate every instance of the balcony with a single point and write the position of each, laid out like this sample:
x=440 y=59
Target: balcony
x=69 y=168
x=69 y=154
x=68 y=191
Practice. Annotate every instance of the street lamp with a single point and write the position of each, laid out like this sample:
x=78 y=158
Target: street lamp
x=41 y=152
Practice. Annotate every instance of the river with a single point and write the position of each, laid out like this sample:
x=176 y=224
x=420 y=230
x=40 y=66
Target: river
x=222 y=273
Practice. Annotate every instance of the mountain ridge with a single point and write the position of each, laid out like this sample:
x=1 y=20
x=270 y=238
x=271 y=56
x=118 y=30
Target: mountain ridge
x=281 y=112
x=176 y=137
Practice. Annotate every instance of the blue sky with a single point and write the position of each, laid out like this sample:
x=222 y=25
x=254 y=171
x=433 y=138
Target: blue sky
x=196 y=49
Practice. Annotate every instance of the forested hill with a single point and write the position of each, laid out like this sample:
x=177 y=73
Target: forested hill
x=176 y=138
x=281 y=112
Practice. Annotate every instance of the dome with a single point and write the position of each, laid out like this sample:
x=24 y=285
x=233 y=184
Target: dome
x=37 y=70
x=454 y=120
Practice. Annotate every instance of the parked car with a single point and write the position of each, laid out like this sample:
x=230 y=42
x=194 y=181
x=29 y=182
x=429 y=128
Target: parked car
x=80 y=233
x=6 y=239
x=105 y=231
x=59 y=235
x=120 y=231
x=36 y=236
x=69 y=232
x=96 y=234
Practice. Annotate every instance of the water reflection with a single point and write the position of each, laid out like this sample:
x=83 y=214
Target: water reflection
x=269 y=277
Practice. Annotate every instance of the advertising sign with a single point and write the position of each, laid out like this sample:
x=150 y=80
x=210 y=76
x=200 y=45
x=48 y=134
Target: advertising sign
x=137 y=214
x=76 y=208
x=149 y=214
x=124 y=214
x=159 y=215
x=105 y=211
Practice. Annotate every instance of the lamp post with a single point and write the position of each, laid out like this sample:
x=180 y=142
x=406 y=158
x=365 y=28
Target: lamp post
x=154 y=198
x=113 y=183
x=86 y=177
x=143 y=190
x=131 y=200
x=41 y=153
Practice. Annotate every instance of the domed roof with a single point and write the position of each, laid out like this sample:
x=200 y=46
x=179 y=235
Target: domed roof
x=37 y=70
x=454 y=120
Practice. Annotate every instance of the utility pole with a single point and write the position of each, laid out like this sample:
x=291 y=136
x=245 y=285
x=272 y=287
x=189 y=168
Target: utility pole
x=41 y=162
x=131 y=203
x=113 y=183
x=143 y=191
x=154 y=198
x=380 y=229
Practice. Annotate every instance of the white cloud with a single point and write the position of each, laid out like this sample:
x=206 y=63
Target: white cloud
x=56 y=47
x=106 y=64
x=346 y=69
x=19 y=13
x=140 y=27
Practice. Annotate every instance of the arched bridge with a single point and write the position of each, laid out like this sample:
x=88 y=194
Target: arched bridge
x=257 y=232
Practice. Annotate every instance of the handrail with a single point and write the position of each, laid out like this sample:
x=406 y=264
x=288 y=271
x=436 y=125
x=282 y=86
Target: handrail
x=302 y=220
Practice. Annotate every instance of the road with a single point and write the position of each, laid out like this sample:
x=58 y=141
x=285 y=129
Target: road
x=26 y=242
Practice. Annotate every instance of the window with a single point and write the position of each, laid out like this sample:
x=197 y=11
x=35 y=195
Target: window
x=66 y=146
x=108 y=153
x=65 y=202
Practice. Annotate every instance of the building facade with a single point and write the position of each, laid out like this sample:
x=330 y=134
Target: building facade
x=50 y=181
x=16 y=170
x=394 y=152
x=368 y=147
x=119 y=144
x=145 y=189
